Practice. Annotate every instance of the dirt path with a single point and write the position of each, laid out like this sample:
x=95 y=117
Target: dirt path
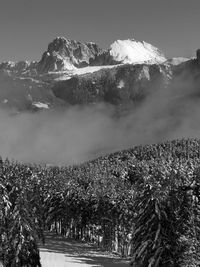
x=63 y=252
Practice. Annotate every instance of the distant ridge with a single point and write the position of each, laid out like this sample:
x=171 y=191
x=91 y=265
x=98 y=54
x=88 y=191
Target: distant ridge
x=65 y=54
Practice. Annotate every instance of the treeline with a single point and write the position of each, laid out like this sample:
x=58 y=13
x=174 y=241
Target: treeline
x=142 y=203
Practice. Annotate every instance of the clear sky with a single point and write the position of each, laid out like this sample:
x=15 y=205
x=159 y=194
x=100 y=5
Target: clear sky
x=27 y=26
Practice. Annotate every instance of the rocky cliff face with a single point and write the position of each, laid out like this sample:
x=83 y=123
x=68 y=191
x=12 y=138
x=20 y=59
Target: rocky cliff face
x=65 y=54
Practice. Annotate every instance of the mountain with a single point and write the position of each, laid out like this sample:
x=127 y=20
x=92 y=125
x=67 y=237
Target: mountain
x=65 y=54
x=98 y=106
x=71 y=72
x=132 y=52
x=122 y=84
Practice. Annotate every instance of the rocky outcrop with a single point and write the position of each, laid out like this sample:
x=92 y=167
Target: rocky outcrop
x=198 y=55
x=20 y=67
x=103 y=59
x=65 y=54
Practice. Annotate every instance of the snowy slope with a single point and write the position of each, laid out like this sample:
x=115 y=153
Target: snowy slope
x=66 y=75
x=131 y=51
x=177 y=60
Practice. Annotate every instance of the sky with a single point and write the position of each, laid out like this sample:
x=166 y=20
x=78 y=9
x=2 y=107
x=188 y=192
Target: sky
x=26 y=27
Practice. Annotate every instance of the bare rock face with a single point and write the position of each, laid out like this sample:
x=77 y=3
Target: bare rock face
x=65 y=54
x=198 y=55
x=103 y=59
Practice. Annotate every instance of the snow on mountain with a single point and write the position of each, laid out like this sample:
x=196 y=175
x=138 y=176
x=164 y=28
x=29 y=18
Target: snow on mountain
x=131 y=51
x=121 y=84
x=40 y=105
x=66 y=54
x=71 y=72
x=177 y=60
x=66 y=75
x=79 y=58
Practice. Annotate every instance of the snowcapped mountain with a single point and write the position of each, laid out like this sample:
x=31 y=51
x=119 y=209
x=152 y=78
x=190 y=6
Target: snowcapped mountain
x=134 y=52
x=65 y=54
x=71 y=72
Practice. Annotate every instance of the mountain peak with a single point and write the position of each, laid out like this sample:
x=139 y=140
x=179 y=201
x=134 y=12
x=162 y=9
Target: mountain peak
x=66 y=54
x=133 y=51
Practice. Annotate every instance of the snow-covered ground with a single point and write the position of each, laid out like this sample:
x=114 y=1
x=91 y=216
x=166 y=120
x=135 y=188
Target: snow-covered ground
x=61 y=252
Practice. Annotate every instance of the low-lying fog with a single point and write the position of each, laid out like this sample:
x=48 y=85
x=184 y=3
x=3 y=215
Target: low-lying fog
x=82 y=133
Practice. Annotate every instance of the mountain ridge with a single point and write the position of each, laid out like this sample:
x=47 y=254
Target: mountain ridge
x=72 y=72
x=66 y=54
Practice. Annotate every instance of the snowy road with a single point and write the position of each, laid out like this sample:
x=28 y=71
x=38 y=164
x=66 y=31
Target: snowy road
x=61 y=252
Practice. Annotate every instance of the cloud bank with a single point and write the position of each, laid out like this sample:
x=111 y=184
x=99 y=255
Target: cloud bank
x=82 y=133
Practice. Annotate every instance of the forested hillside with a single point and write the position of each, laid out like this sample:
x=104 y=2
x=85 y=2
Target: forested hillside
x=142 y=203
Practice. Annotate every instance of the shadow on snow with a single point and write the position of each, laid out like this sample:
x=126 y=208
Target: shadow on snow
x=81 y=251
